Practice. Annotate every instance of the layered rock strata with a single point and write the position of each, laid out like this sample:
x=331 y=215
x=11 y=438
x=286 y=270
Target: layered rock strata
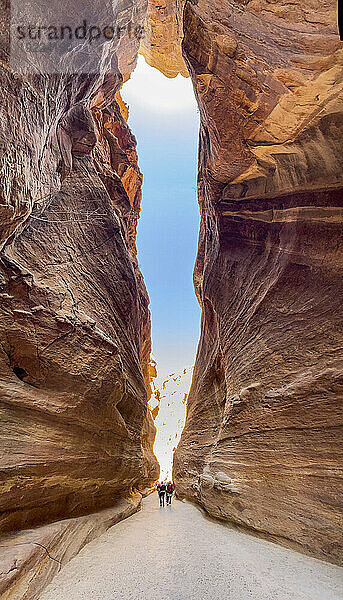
x=262 y=444
x=76 y=432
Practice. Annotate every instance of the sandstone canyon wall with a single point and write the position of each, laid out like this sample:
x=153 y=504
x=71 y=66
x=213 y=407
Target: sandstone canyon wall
x=262 y=445
x=76 y=433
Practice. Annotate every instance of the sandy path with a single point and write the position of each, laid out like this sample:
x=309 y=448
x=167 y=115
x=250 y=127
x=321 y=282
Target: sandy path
x=177 y=554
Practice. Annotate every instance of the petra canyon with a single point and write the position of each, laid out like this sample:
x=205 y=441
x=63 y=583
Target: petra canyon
x=262 y=444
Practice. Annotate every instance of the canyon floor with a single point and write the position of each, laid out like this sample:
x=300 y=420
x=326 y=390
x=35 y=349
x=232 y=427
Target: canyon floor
x=176 y=553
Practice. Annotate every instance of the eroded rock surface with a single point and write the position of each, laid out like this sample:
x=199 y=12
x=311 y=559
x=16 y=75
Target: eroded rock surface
x=76 y=432
x=262 y=444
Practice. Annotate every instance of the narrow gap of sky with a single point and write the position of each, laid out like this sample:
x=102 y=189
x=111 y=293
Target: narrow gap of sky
x=164 y=118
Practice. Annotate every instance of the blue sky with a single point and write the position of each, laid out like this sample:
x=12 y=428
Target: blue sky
x=164 y=119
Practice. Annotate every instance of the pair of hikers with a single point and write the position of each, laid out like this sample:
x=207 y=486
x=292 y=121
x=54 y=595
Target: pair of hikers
x=165 y=489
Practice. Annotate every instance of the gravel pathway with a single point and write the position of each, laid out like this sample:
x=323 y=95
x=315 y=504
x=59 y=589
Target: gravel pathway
x=175 y=553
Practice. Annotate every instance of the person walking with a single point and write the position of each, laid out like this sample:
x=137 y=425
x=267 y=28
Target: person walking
x=170 y=491
x=161 y=490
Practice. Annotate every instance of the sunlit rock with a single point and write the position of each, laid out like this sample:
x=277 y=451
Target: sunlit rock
x=163 y=33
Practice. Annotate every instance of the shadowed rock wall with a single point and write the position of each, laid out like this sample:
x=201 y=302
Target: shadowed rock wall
x=75 y=327
x=262 y=444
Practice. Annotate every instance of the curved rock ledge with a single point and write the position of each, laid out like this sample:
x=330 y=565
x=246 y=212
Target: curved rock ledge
x=30 y=559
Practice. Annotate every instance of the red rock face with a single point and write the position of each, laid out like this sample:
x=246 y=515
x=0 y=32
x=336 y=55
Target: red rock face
x=262 y=444
x=75 y=326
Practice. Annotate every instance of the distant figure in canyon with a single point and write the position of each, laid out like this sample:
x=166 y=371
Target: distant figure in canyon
x=170 y=491
x=161 y=490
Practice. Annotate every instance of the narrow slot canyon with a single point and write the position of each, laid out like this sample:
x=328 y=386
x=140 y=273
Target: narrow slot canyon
x=164 y=118
x=171 y=292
